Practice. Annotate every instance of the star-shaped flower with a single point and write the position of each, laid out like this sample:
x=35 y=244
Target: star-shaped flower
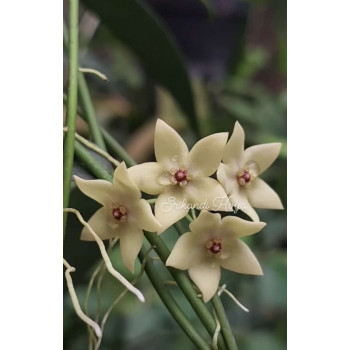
x=211 y=244
x=123 y=214
x=181 y=178
x=238 y=174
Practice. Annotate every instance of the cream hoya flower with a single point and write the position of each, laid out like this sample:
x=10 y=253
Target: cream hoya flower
x=238 y=174
x=181 y=178
x=211 y=244
x=123 y=214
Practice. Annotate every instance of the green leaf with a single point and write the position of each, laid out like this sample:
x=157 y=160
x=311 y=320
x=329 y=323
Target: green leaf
x=136 y=25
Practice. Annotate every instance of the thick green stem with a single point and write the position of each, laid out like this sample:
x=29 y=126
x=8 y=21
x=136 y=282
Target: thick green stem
x=72 y=102
x=185 y=285
x=225 y=325
x=171 y=304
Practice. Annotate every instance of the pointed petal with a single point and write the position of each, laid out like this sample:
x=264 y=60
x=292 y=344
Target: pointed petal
x=206 y=154
x=185 y=253
x=234 y=227
x=207 y=193
x=261 y=195
x=99 y=223
x=126 y=190
x=146 y=175
x=205 y=226
x=142 y=217
x=227 y=175
x=264 y=155
x=131 y=240
x=239 y=200
x=170 y=207
x=206 y=276
x=242 y=260
x=234 y=149
x=169 y=148
x=99 y=190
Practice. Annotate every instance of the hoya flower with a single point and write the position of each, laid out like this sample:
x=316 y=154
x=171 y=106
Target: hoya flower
x=214 y=243
x=238 y=174
x=181 y=178
x=123 y=214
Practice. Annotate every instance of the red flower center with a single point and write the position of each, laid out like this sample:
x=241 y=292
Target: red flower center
x=244 y=177
x=181 y=175
x=214 y=246
x=119 y=213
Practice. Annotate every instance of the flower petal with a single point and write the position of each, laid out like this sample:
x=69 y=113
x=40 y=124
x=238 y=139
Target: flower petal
x=207 y=193
x=227 y=175
x=205 y=226
x=234 y=227
x=264 y=155
x=206 y=276
x=100 y=224
x=261 y=195
x=239 y=200
x=170 y=207
x=169 y=148
x=126 y=190
x=142 y=217
x=185 y=253
x=131 y=240
x=145 y=176
x=242 y=259
x=99 y=190
x=234 y=149
x=206 y=154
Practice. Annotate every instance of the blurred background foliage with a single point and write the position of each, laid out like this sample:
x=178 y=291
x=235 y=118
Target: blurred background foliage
x=200 y=65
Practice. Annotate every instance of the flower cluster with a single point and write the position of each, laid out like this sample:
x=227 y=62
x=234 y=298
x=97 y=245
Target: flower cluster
x=183 y=180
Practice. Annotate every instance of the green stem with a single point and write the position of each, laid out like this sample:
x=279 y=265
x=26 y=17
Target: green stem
x=179 y=228
x=89 y=112
x=87 y=105
x=171 y=304
x=185 y=285
x=225 y=325
x=117 y=150
x=72 y=102
x=91 y=163
x=113 y=145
